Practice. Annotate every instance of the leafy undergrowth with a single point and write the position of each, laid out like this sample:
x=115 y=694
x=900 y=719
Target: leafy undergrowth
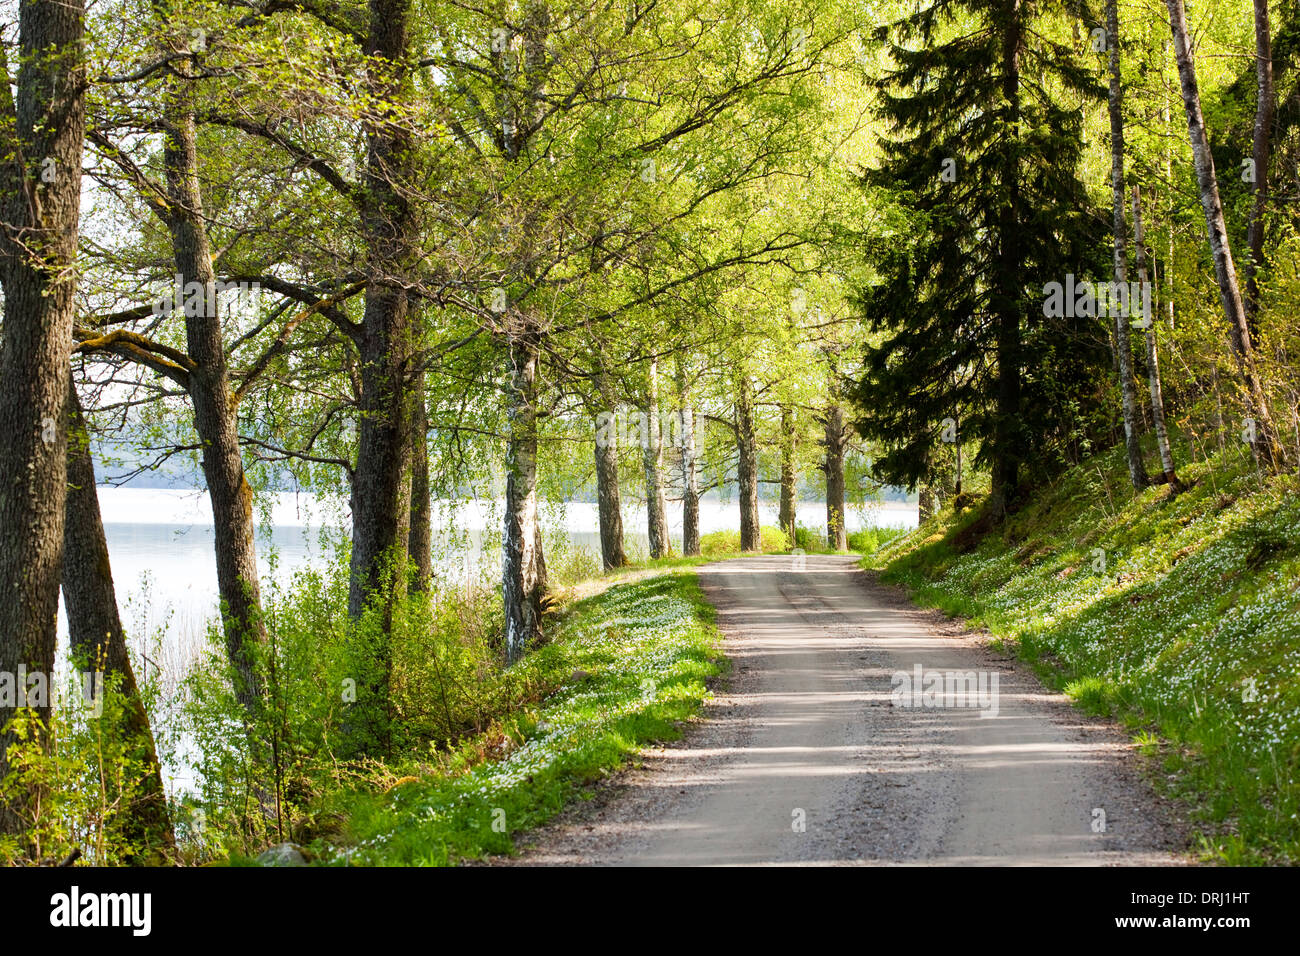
x=727 y=543
x=864 y=541
x=1180 y=615
x=631 y=663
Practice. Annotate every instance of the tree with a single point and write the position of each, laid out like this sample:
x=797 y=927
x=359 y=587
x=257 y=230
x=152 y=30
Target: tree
x=652 y=453
x=1261 y=153
x=524 y=573
x=387 y=216
x=987 y=165
x=1264 y=443
x=786 y=516
x=167 y=93
x=420 y=545
x=1169 y=476
x=99 y=640
x=208 y=383
x=1120 y=316
x=690 y=464
x=41 y=135
x=746 y=460
x=835 y=441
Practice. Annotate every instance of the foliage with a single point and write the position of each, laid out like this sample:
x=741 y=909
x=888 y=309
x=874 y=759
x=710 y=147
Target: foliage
x=985 y=164
x=720 y=543
x=624 y=668
x=871 y=540
x=75 y=779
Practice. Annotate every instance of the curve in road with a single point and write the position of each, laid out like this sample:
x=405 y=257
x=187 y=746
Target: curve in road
x=855 y=728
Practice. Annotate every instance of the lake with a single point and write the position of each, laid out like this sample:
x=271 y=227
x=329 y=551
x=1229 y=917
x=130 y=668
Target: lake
x=160 y=541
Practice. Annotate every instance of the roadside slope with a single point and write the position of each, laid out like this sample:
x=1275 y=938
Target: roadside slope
x=625 y=665
x=1178 y=614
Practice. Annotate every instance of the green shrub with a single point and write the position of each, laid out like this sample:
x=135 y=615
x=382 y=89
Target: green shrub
x=871 y=540
x=341 y=703
x=728 y=542
x=85 y=773
x=808 y=539
x=626 y=665
x=773 y=539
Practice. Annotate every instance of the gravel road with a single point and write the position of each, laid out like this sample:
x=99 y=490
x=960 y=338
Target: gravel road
x=815 y=751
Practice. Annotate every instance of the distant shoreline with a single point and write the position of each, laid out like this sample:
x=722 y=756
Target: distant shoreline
x=189 y=507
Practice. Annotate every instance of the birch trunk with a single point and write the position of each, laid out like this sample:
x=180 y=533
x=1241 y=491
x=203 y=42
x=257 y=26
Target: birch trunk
x=523 y=577
x=653 y=455
x=1265 y=446
x=1153 y=355
x=1123 y=349
x=690 y=470
x=1260 y=154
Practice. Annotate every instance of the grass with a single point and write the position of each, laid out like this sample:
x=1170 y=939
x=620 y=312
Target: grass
x=1178 y=615
x=631 y=663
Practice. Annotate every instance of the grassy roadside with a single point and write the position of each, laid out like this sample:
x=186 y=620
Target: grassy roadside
x=1178 y=615
x=629 y=662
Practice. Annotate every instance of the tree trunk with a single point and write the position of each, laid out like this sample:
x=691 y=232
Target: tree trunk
x=1260 y=153
x=609 y=499
x=1123 y=346
x=1265 y=445
x=925 y=506
x=1153 y=356
x=40 y=191
x=653 y=455
x=214 y=407
x=387 y=220
x=381 y=479
x=789 y=479
x=1171 y=210
x=837 y=536
x=690 y=487
x=523 y=577
x=405 y=504
x=957 y=497
x=380 y=471
x=420 y=538
x=1007 y=440
x=99 y=642
x=747 y=466
x=690 y=469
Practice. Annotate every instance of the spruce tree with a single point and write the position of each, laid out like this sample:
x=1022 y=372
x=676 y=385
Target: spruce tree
x=982 y=148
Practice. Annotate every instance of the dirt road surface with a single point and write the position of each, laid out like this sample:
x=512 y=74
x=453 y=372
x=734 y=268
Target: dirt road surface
x=816 y=751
